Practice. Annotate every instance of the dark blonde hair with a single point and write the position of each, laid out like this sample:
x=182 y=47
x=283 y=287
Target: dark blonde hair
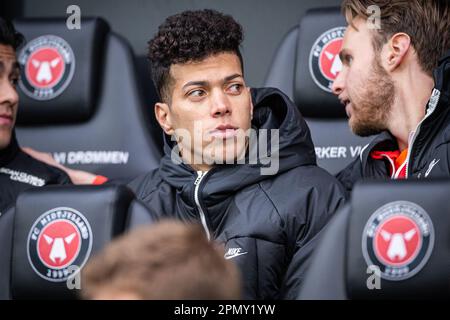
x=168 y=260
x=427 y=22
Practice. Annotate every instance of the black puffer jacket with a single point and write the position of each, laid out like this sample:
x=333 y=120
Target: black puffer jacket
x=263 y=220
x=429 y=151
x=19 y=171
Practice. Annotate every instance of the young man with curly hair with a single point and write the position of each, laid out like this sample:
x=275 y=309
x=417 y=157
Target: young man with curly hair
x=215 y=156
x=395 y=84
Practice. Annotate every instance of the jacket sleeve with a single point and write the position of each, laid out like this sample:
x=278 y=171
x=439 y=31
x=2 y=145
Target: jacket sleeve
x=64 y=178
x=55 y=175
x=320 y=204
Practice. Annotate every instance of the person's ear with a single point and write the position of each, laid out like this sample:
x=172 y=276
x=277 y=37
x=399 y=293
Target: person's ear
x=163 y=116
x=397 y=49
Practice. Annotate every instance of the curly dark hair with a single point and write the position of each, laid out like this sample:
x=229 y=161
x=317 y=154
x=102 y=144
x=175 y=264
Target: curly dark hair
x=190 y=36
x=8 y=34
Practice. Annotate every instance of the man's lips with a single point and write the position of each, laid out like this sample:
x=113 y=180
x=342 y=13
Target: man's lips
x=224 y=131
x=6 y=119
x=347 y=109
x=347 y=105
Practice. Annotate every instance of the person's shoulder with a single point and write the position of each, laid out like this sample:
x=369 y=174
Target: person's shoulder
x=146 y=184
x=296 y=187
x=28 y=164
x=307 y=177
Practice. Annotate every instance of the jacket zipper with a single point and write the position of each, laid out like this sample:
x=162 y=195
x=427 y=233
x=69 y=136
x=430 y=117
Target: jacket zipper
x=197 y=182
x=392 y=165
x=434 y=100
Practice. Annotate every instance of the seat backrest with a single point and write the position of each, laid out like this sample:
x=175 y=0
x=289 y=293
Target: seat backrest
x=53 y=231
x=80 y=99
x=304 y=67
x=390 y=242
x=150 y=96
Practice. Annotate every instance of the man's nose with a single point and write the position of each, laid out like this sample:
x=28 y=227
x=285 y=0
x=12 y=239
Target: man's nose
x=220 y=104
x=338 y=84
x=8 y=93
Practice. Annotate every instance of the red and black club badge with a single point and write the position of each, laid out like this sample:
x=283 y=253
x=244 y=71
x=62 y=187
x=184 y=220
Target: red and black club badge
x=47 y=67
x=324 y=61
x=59 y=238
x=398 y=238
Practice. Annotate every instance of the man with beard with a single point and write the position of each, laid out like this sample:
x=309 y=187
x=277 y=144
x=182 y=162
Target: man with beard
x=395 y=83
x=269 y=220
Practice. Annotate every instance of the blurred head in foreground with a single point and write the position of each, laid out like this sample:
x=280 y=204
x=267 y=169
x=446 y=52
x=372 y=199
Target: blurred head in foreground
x=168 y=260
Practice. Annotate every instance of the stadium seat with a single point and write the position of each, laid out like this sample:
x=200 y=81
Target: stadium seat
x=150 y=96
x=304 y=67
x=55 y=229
x=401 y=227
x=81 y=99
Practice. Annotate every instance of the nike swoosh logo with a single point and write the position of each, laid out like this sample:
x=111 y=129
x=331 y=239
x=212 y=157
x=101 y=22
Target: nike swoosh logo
x=235 y=255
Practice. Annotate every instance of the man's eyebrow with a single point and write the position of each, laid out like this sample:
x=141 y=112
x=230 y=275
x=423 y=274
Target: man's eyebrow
x=234 y=76
x=205 y=83
x=195 y=83
x=15 y=67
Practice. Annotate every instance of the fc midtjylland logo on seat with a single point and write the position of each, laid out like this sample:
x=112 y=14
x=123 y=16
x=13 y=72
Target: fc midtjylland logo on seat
x=398 y=238
x=324 y=61
x=47 y=67
x=59 y=239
